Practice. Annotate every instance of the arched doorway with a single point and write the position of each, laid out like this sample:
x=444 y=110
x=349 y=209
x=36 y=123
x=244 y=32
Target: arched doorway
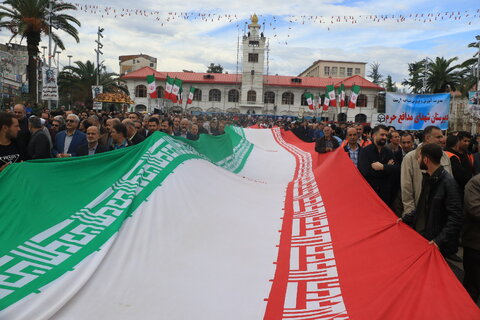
x=342 y=117
x=360 y=118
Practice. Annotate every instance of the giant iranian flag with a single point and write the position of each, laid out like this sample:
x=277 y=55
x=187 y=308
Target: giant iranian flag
x=252 y=224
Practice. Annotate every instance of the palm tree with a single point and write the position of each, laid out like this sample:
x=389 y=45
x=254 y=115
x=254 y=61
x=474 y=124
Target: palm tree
x=442 y=74
x=29 y=19
x=77 y=80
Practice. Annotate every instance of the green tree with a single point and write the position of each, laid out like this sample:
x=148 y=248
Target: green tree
x=76 y=81
x=416 y=72
x=390 y=86
x=375 y=74
x=443 y=76
x=29 y=19
x=469 y=80
x=214 y=68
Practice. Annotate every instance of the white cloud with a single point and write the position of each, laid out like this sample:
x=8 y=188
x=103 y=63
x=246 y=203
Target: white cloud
x=193 y=44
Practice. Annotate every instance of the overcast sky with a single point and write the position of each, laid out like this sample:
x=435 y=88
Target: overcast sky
x=299 y=32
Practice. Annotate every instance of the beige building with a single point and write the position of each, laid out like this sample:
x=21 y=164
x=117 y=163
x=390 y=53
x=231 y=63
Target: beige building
x=135 y=62
x=460 y=118
x=334 y=69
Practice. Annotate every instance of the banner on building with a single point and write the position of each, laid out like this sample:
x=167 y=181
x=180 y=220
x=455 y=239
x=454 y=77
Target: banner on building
x=49 y=83
x=96 y=90
x=417 y=111
x=474 y=103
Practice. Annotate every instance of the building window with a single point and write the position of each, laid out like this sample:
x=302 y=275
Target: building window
x=362 y=100
x=303 y=100
x=233 y=95
x=159 y=92
x=253 y=57
x=379 y=103
x=342 y=71
x=252 y=72
x=360 y=118
x=151 y=65
x=326 y=71
x=357 y=70
x=349 y=72
x=197 y=95
x=269 y=97
x=342 y=117
x=334 y=71
x=287 y=98
x=251 y=96
x=214 y=95
x=140 y=91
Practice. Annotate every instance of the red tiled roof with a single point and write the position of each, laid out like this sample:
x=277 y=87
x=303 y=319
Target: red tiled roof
x=280 y=81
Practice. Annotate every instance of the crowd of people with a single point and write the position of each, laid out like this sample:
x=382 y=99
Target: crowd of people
x=430 y=181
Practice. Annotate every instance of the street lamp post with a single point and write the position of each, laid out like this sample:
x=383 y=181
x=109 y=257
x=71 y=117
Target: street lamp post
x=50 y=13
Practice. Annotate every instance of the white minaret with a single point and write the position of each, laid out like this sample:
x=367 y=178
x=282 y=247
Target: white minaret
x=252 y=68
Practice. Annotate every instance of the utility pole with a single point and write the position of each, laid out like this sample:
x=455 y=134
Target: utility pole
x=50 y=13
x=99 y=52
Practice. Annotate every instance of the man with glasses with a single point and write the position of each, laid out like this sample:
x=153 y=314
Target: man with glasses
x=68 y=141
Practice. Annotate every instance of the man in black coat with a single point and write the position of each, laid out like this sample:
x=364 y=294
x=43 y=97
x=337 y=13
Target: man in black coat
x=23 y=136
x=327 y=143
x=377 y=165
x=133 y=135
x=438 y=216
x=92 y=146
x=39 y=144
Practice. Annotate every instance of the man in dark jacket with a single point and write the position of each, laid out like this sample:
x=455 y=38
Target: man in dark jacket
x=67 y=141
x=23 y=136
x=93 y=145
x=377 y=165
x=133 y=135
x=39 y=144
x=438 y=215
x=462 y=168
x=471 y=238
x=303 y=131
x=326 y=143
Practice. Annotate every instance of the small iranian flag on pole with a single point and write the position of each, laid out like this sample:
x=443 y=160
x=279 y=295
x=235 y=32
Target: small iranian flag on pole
x=331 y=95
x=177 y=84
x=168 y=87
x=190 y=95
x=151 y=88
x=326 y=103
x=353 y=97
x=341 y=94
x=309 y=98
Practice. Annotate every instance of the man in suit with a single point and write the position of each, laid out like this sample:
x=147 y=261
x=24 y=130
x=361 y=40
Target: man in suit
x=68 y=141
x=92 y=146
x=133 y=135
x=39 y=144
